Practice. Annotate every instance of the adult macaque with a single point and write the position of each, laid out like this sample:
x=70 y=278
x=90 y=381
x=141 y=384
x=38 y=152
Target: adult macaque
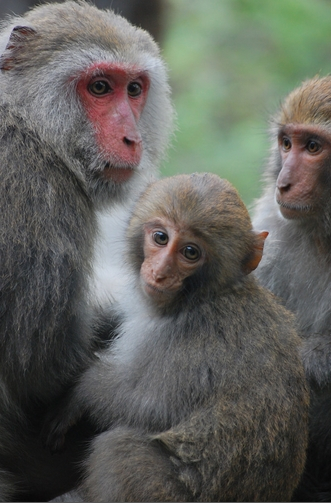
x=203 y=390
x=85 y=117
x=296 y=209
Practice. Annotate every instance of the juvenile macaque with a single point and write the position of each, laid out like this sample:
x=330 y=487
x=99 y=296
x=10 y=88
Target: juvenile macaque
x=203 y=392
x=296 y=209
x=84 y=120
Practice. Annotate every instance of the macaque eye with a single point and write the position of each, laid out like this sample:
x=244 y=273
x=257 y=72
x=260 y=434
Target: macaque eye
x=191 y=253
x=286 y=144
x=161 y=238
x=134 y=89
x=99 y=87
x=313 y=146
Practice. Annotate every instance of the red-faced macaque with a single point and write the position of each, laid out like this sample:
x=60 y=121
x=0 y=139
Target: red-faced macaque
x=85 y=119
x=202 y=392
x=296 y=210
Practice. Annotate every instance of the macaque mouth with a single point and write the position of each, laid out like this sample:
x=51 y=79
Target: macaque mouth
x=116 y=174
x=150 y=289
x=153 y=290
x=294 y=210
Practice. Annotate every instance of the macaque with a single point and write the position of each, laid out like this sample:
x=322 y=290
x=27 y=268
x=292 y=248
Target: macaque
x=296 y=210
x=85 y=118
x=202 y=392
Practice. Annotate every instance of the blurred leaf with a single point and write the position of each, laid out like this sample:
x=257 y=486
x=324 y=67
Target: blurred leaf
x=231 y=63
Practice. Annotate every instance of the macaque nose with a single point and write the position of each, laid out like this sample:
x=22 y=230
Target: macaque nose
x=282 y=188
x=132 y=141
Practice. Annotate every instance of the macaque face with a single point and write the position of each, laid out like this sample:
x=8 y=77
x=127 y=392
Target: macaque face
x=305 y=152
x=114 y=97
x=171 y=254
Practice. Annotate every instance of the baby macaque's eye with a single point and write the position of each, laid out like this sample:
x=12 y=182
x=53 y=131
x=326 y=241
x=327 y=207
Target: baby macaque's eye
x=161 y=238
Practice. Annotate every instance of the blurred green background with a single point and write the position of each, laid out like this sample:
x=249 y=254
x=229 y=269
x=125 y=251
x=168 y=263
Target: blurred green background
x=231 y=62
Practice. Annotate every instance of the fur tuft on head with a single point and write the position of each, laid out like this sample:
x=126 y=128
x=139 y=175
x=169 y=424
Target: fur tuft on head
x=308 y=104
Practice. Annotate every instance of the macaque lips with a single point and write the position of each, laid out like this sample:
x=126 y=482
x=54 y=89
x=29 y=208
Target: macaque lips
x=160 y=295
x=117 y=175
x=292 y=212
x=289 y=213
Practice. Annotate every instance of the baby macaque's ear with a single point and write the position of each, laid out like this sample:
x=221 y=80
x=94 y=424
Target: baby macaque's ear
x=257 y=253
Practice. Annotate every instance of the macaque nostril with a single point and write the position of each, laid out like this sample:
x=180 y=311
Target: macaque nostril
x=128 y=142
x=284 y=188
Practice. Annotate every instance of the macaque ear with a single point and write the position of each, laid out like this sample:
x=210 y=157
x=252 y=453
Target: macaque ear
x=17 y=40
x=257 y=253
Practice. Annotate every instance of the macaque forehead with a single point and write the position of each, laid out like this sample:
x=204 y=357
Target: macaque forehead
x=304 y=131
x=308 y=104
x=203 y=202
x=122 y=69
x=60 y=26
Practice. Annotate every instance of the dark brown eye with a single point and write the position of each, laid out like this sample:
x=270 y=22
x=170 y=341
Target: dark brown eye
x=191 y=253
x=99 y=87
x=134 y=89
x=161 y=238
x=313 y=146
x=286 y=144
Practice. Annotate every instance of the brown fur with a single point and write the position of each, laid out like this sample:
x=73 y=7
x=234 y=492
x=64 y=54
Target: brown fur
x=309 y=104
x=204 y=398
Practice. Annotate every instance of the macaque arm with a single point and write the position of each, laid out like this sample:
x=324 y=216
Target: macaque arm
x=188 y=440
x=106 y=321
x=59 y=419
x=316 y=356
x=204 y=444
x=171 y=465
x=87 y=397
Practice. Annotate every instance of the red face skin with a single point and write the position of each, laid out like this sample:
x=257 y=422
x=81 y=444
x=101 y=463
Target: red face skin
x=114 y=96
x=305 y=152
x=171 y=255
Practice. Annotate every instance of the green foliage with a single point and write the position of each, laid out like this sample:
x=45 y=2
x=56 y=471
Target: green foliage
x=231 y=63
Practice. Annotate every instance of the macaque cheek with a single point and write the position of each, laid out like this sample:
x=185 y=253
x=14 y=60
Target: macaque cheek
x=161 y=287
x=146 y=275
x=117 y=135
x=119 y=146
x=298 y=193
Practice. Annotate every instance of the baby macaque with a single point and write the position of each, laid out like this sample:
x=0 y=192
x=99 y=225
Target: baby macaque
x=202 y=393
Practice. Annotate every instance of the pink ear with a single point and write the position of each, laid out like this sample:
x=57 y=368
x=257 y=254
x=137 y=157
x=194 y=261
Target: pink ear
x=16 y=41
x=254 y=261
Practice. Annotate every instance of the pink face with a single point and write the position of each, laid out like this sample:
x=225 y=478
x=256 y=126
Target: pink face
x=171 y=254
x=114 y=96
x=305 y=152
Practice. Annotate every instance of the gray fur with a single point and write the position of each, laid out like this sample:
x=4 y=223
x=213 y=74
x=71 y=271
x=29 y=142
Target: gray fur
x=205 y=398
x=296 y=267
x=48 y=206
